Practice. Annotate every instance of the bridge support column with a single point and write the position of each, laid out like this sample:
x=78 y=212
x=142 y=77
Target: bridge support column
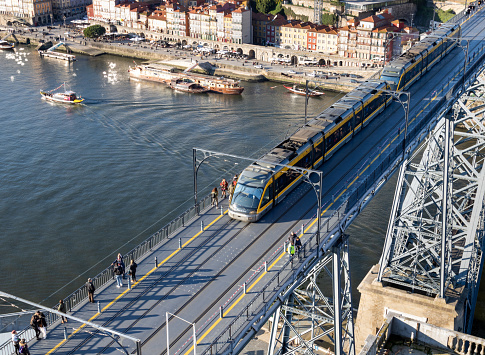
x=310 y=319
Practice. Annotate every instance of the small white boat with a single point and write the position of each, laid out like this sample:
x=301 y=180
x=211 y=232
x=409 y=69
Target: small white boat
x=302 y=91
x=67 y=97
x=6 y=45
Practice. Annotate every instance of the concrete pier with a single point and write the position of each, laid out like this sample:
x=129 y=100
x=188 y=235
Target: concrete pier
x=377 y=301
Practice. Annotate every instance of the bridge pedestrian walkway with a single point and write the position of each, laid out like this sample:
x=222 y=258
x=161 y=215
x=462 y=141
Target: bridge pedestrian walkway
x=140 y=312
x=113 y=300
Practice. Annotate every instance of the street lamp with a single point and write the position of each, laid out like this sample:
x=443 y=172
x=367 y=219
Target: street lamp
x=397 y=96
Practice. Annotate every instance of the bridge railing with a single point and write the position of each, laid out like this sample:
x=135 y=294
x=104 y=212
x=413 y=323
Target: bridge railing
x=106 y=276
x=263 y=299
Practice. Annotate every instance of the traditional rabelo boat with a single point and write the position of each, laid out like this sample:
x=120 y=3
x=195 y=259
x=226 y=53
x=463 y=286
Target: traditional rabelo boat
x=185 y=85
x=302 y=91
x=66 y=97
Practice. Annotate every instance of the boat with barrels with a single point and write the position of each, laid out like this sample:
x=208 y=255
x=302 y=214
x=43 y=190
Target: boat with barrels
x=188 y=86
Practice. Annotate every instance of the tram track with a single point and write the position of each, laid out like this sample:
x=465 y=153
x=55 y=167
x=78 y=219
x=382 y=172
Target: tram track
x=389 y=131
x=188 y=329
x=190 y=254
x=153 y=284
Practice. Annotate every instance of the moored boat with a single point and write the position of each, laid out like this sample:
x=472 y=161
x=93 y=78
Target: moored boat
x=153 y=72
x=165 y=74
x=66 y=97
x=218 y=85
x=302 y=91
x=6 y=45
x=185 y=85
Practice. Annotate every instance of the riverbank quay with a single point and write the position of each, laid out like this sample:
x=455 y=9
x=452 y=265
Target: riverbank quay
x=331 y=78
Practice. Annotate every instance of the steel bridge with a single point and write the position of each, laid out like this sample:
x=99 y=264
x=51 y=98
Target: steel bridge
x=208 y=284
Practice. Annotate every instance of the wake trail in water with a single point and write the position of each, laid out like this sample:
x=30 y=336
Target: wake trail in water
x=138 y=137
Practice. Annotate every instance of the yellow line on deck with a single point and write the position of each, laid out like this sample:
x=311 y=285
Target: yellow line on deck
x=134 y=284
x=309 y=226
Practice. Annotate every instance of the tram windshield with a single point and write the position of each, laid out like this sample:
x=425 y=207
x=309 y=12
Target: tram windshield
x=391 y=80
x=248 y=192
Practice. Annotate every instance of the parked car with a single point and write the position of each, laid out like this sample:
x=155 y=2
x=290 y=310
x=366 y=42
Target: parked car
x=258 y=66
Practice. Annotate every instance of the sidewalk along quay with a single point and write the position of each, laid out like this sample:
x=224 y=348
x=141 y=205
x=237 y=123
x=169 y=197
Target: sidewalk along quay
x=329 y=78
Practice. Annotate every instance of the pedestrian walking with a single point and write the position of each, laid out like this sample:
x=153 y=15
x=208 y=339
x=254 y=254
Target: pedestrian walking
x=42 y=324
x=61 y=307
x=133 y=266
x=234 y=180
x=15 y=342
x=297 y=245
x=118 y=271
x=231 y=189
x=214 y=194
x=292 y=237
x=224 y=184
x=291 y=250
x=34 y=323
x=24 y=349
x=91 y=289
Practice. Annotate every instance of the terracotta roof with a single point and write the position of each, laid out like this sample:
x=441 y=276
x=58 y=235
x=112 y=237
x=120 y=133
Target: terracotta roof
x=261 y=17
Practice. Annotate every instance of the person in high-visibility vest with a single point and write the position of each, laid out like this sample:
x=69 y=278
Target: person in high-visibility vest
x=291 y=249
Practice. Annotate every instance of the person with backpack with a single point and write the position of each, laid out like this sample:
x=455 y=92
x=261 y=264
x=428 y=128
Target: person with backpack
x=119 y=260
x=42 y=324
x=24 y=349
x=91 y=289
x=118 y=271
x=231 y=192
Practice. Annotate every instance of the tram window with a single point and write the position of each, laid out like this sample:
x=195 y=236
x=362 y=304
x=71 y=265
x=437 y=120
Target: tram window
x=267 y=196
x=371 y=107
x=345 y=129
x=318 y=150
x=305 y=161
x=280 y=183
x=358 y=118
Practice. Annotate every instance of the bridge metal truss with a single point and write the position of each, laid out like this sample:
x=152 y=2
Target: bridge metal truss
x=442 y=184
x=308 y=320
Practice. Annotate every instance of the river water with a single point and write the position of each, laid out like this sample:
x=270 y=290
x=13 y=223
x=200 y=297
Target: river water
x=80 y=184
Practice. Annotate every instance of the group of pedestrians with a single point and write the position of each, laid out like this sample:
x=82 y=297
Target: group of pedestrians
x=38 y=321
x=294 y=245
x=20 y=345
x=119 y=270
x=226 y=188
x=39 y=324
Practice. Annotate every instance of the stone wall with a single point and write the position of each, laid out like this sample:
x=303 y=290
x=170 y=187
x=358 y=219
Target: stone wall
x=376 y=300
x=302 y=11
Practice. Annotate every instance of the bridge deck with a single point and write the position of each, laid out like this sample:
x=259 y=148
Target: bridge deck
x=193 y=282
